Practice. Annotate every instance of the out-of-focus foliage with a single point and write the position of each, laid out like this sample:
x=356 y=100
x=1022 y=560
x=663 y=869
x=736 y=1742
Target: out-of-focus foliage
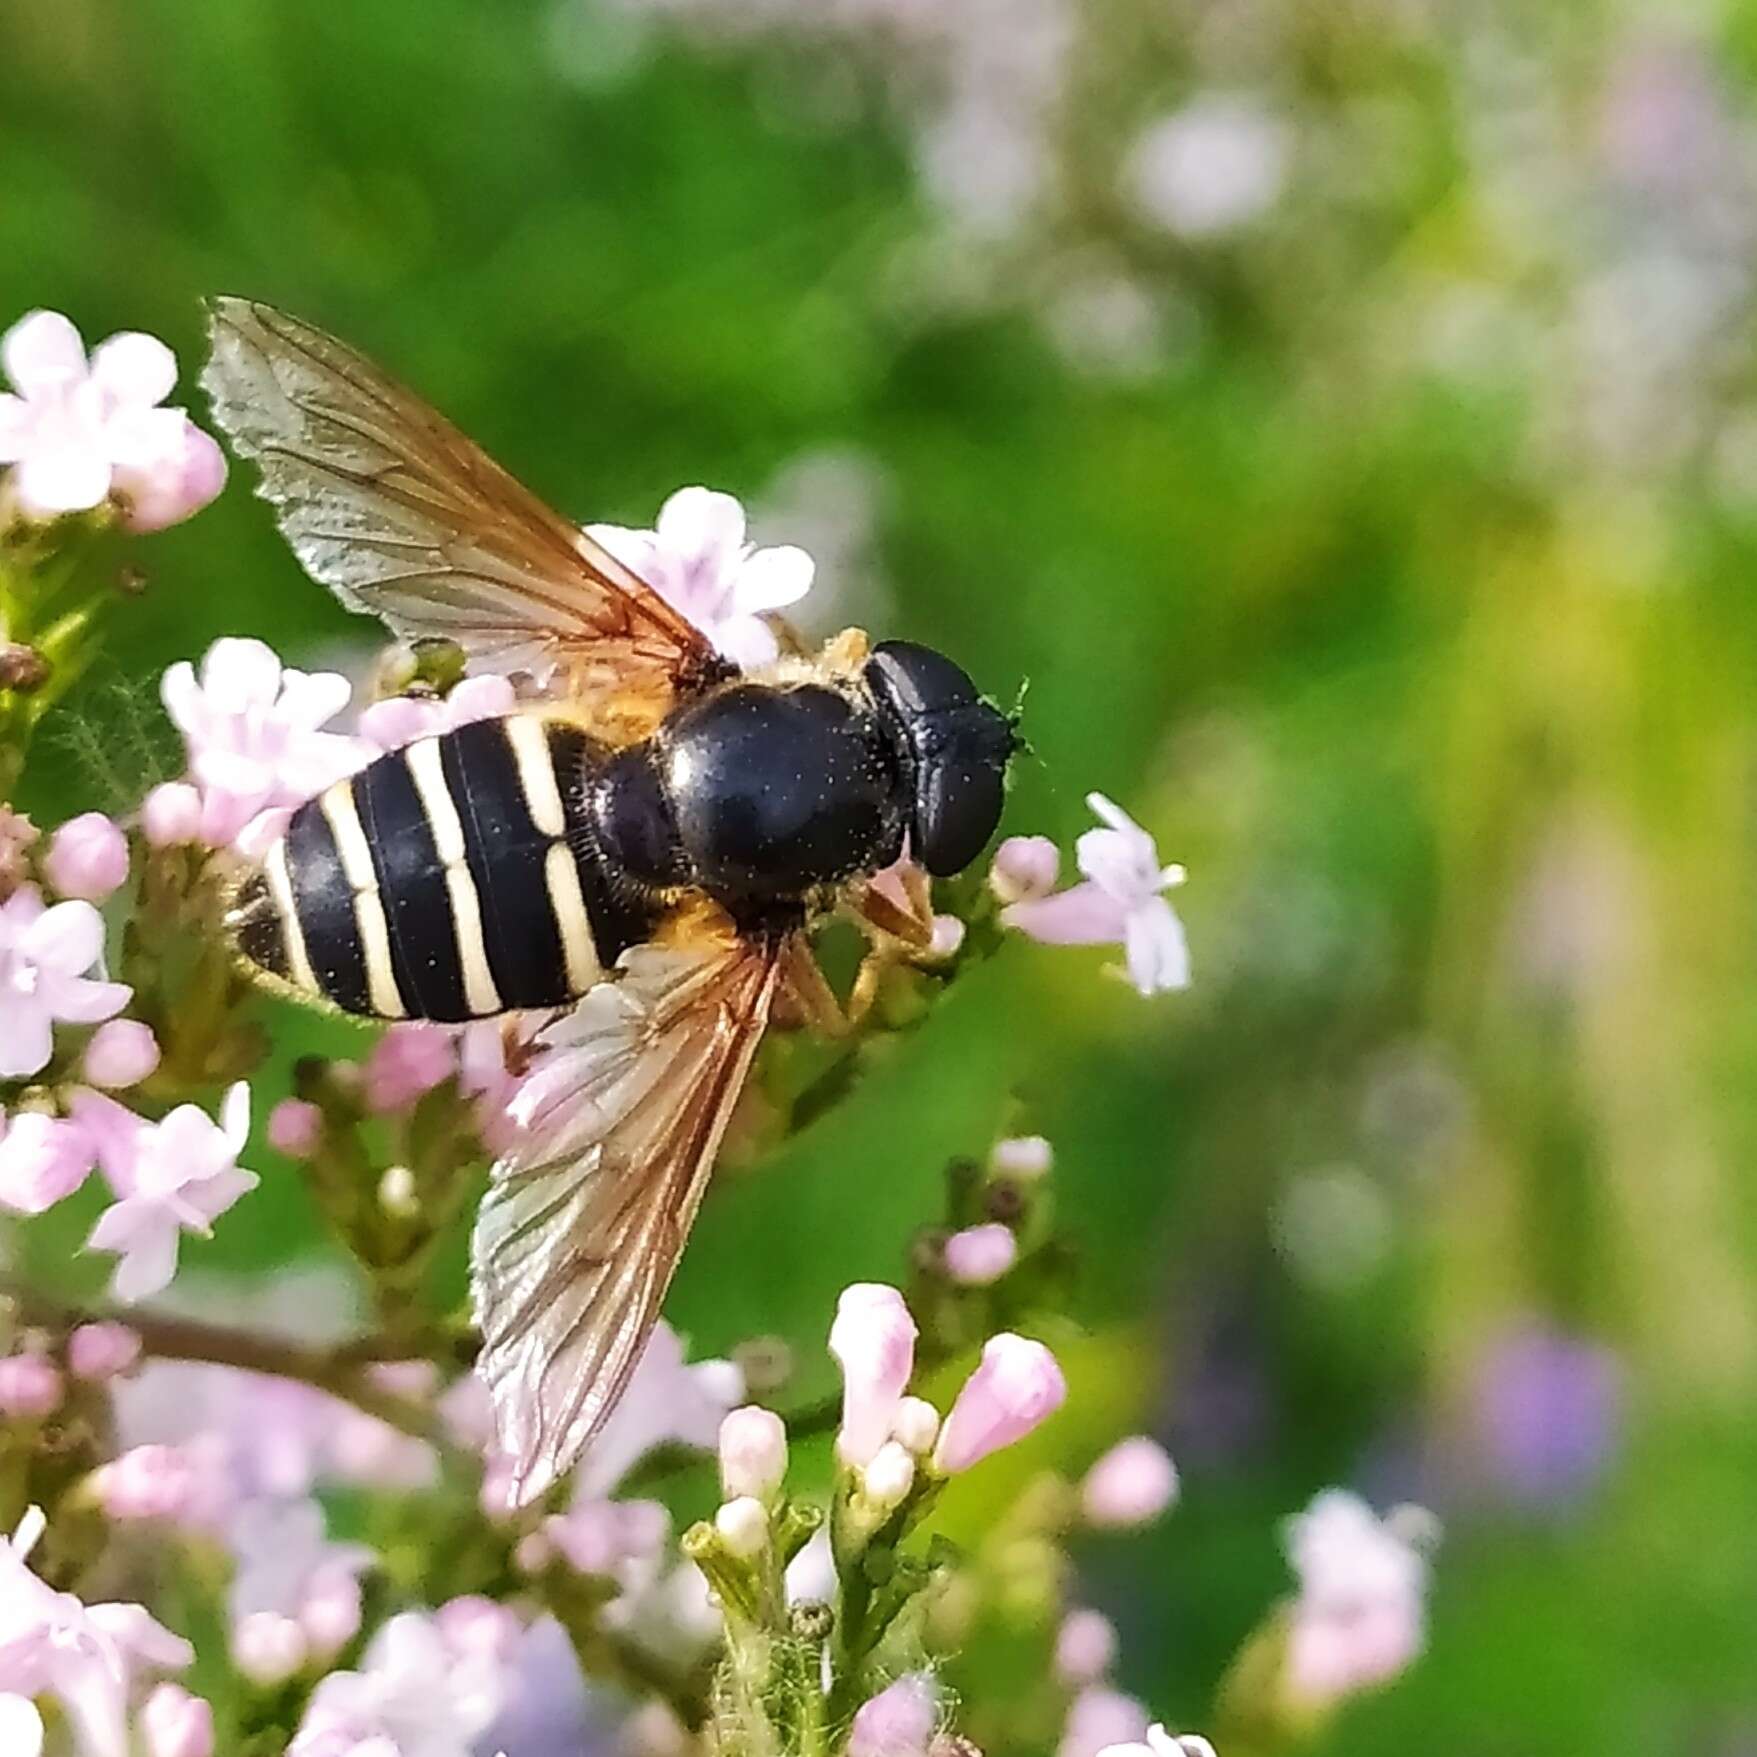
x=1387 y=545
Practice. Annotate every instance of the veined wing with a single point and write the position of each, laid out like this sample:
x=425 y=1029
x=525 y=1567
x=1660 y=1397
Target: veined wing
x=401 y=516
x=586 y=1217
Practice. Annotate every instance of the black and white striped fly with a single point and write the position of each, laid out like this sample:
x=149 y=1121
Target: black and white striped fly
x=640 y=848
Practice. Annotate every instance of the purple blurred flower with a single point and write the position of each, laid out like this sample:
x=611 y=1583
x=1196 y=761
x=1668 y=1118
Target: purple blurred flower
x=287 y=1567
x=174 y=1723
x=898 y=1722
x=42 y=1159
x=1134 y=1482
x=1085 y=1647
x=1548 y=1411
x=979 y=1255
x=1211 y=167
x=1098 y=1718
x=30 y=1387
x=400 y=720
x=406 y=1062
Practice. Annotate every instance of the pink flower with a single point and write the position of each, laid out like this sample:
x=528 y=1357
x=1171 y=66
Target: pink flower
x=42 y=1159
x=77 y=432
x=400 y=720
x=171 y=814
x=175 y=1724
x=1085 y=1647
x=1160 y=1743
x=295 y=1127
x=1359 y=1617
x=980 y=1254
x=1099 y=1718
x=406 y=1062
x=122 y=1052
x=44 y=957
x=698 y=561
x=170 y=1177
x=101 y=1351
x=149 y=1482
x=1016 y=1386
x=86 y=1656
x=1024 y=866
x=873 y=1341
x=175 y=484
x=1133 y=1482
x=363 y=1449
x=253 y=731
x=898 y=1722
x=1119 y=903
x=268 y=1648
x=1024 y=1156
x=602 y=1537
x=30 y=1387
x=753 y=1453
x=414 y=1696
x=87 y=858
x=286 y=1568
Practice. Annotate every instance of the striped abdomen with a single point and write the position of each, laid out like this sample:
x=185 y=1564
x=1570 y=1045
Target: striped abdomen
x=453 y=879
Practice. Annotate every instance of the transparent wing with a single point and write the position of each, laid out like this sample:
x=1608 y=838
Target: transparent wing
x=585 y=1219
x=401 y=516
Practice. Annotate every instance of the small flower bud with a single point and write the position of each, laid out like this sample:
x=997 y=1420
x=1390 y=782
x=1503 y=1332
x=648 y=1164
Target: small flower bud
x=1133 y=1482
x=873 y=1341
x=1100 y=1717
x=479 y=1627
x=890 y=1476
x=173 y=485
x=175 y=1724
x=743 y=1526
x=398 y=1195
x=1024 y=1156
x=146 y=1482
x=898 y=1722
x=268 y=1648
x=1085 y=1647
x=330 y=1611
x=407 y=1062
x=753 y=1453
x=30 y=1387
x=100 y=1351
x=295 y=1126
x=122 y=1052
x=1024 y=866
x=42 y=1159
x=980 y=1254
x=533 y=1553
x=87 y=858
x=1016 y=1386
x=171 y=815
x=916 y=1425
x=946 y=939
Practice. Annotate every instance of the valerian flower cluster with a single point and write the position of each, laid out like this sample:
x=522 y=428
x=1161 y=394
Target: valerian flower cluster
x=302 y=1472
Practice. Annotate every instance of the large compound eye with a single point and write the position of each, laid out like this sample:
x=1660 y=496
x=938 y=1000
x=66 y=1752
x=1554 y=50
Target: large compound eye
x=958 y=746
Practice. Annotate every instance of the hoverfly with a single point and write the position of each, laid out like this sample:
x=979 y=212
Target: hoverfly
x=644 y=843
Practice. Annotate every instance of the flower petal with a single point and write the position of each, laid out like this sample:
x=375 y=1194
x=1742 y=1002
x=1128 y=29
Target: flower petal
x=135 y=369
x=58 y=478
x=1157 y=953
x=1086 y=915
x=772 y=578
x=702 y=525
x=21 y=1727
x=67 y=938
x=240 y=673
x=42 y=353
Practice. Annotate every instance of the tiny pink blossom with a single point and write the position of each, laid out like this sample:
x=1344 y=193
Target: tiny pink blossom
x=1024 y=867
x=600 y=1537
x=121 y=1053
x=253 y=729
x=1016 y=1386
x=408 y=1061
x=76 y=431
x=295 y=1127
x=174 y=1723
x=946 y=938
x=42 y=1159
x=1119 y=903
x=170 y=1177
x=171 y=814
x=45 y=954
x=30 y=1387
x=100 y=1351
x=898 y=1722
x=400 y=720
x=87 y=858
x=753 y=1453
x=1359 y=1617
x=174 y=484
x=1160 y=1743
x=478 y=1627
x=980 y=1254
x=288 y=1569
x=1085 y=1647
x=698 y=561
x=1099 y=1718
x=1134 y=1482
x=1023 y=1156
x=268 y=1648
x=148 y=1482
x=873 y=1342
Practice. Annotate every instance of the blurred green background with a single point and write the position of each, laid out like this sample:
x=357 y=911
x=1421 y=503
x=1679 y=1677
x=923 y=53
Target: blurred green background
x=1341 y=415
